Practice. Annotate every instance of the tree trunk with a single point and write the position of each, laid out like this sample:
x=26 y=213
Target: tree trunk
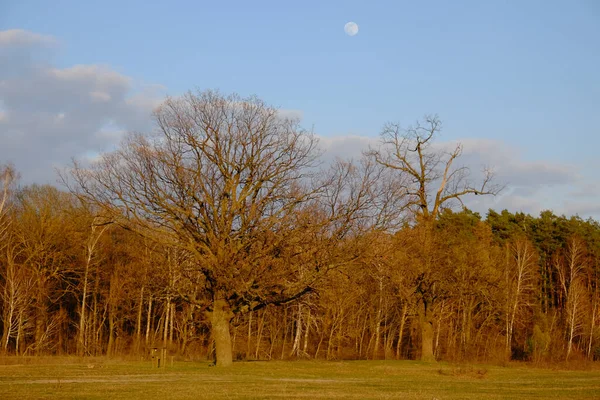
x=10 y=298
x=285 y=331
x=249 y=337
x=81 y=348
x=220 y=319
x=19 y=332
x=401 y=330
x=260 y=328
x=378 y=322
x=171 y=321
x=149 y=320
x=9 y=314
x=592 y=326
x=8 y=322
x=298 y=334
x=95 y=324
x=306 y=333
x=138 y=324
x=111 y=330
x=41 y=318
x=166 y=322
x=427 y=335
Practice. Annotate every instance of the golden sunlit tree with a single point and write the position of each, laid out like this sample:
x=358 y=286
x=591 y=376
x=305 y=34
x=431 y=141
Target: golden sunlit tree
x=434 y=181
x=221 y=178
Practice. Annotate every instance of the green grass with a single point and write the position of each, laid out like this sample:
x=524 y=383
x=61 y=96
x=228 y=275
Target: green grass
x=102 y=379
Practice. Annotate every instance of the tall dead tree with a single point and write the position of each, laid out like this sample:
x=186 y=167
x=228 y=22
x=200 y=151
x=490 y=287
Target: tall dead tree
x=433 y=182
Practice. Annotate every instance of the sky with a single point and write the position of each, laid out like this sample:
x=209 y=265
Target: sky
x=517 y=82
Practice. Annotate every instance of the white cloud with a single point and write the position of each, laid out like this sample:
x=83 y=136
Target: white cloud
x=346 y=147
x=582 y=208
x=20 y=37
x=290 y=114
x=100 y=96
x=511 y=168
x=101 y=76
x=531 y=186
x=51 y=114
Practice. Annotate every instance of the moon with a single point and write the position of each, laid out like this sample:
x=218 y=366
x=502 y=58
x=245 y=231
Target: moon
x=351 y=28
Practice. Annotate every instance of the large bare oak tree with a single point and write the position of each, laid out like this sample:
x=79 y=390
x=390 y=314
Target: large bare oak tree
x=221 y=178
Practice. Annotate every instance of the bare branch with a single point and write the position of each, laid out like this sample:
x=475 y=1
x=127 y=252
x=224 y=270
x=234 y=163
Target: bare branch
x=409 y=153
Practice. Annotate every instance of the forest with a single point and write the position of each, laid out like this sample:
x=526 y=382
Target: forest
x=223 y=235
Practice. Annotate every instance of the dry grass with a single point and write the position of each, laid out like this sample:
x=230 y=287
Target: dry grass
x=102 y=379
x=468 y=371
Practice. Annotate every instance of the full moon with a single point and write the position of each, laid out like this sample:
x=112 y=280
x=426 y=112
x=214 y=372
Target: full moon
x=351 y=28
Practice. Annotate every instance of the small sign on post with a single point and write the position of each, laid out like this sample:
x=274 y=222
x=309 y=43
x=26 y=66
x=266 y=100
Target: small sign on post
x=159 y=358
x=155 y=356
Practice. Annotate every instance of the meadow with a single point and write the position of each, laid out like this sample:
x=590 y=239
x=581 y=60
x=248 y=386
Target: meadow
x=72 y=378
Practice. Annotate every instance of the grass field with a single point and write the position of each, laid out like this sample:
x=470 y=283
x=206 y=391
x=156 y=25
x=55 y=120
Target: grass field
x=103 y=379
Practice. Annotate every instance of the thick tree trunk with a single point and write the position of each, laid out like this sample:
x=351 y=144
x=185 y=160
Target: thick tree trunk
x=220 y=319
x=427 y=335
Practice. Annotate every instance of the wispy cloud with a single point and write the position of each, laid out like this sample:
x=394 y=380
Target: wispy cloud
x=530 y=186
x=51 y=114
x=20 y=37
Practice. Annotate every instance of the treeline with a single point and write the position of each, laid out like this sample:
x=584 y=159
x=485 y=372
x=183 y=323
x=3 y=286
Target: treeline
x=217 y=241
x=510 y=282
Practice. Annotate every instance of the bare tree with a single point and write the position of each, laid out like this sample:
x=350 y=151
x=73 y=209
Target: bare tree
x=17 y=291
x=221 y=179
x=45 y=243
x=12 y=284
x=8 y=177
x=96 y=229
x=572 y=270
x=520 y=279
x=575 y=312
x=432 y=182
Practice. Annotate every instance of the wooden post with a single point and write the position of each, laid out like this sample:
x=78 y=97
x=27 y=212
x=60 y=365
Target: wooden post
x=155 y=357
x=163 y=357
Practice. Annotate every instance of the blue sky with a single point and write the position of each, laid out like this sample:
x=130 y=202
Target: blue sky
x=520 y=74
